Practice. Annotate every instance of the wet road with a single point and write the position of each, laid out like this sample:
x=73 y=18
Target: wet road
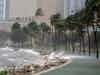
x=81 y=65
x=9 y=56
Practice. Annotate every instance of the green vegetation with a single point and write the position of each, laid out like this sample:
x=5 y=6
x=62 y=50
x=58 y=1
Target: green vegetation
x=69 y=31
x=3 y=72
x=28 y=33
x=86 y=18
x=17 y=34
x=39 y=12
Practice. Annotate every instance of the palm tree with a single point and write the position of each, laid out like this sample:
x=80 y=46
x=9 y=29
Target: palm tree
x=60 y=32
x=71 y=25
x=16 y=26
x=80 y=24
x=75 y=22
x=44 y=27
x=83 y=19
x=93 y=6
x=17 y=35
x=26 y=31
x=33 y=30
x=39 y=12
x=45 y=30
x=53 y=20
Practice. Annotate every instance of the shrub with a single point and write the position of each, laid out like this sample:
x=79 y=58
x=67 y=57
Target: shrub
x=3 y=72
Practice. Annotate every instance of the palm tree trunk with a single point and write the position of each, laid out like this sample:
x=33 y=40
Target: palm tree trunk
x=67 y=42
x=95 y=41
x=83 y=43
x=80 y=46
x=94 y=38
x=52 y=33
x=43 y=34
x=72 y=42
x=31 y=41
x=55 y=41
x=88 y=41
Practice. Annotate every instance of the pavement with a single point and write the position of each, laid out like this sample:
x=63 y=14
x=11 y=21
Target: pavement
x=81 y=65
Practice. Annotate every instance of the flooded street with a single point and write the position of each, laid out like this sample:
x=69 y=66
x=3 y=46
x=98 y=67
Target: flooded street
x=9 y=56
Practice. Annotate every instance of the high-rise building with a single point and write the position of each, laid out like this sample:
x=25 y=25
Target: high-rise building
x=69 y=7
x=72 y=6
x=64 y=7
x=27 y=8
x=51 y=7
x=22 y=8
x=60 y=7
x=48 y=6
x=2 y=9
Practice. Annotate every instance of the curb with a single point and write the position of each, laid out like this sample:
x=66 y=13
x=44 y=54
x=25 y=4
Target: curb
x=54 y=68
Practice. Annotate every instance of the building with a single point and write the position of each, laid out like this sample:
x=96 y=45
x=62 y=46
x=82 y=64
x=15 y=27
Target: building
x=72 y=6
x=48 y=6
x=64 y=7
x=51 y=7
x=24 y=10
x=2 y=9
x=10 y=9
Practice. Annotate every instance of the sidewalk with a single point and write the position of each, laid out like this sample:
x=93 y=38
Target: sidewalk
x=81 y=65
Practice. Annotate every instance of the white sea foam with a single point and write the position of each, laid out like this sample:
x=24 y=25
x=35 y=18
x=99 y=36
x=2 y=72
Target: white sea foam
x=29 y=51
x=11 y=59
x=4 y=55
x=7 y=48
